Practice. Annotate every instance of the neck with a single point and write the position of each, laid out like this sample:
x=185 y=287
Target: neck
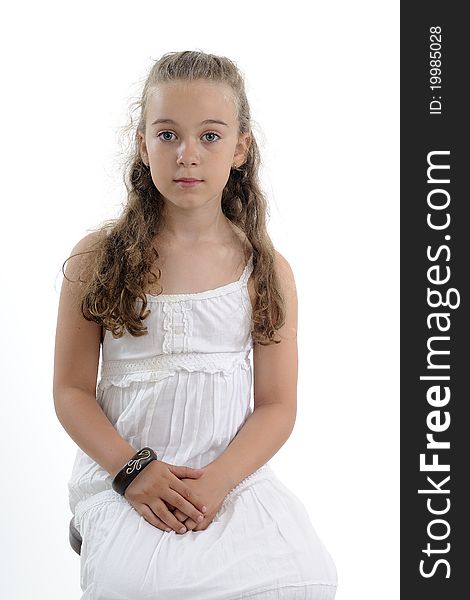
x=203 y=224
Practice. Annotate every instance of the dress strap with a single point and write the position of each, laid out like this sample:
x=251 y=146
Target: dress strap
x=247 y=270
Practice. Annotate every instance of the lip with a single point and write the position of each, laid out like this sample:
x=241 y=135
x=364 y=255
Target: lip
x=188 y=182
x=188 y=179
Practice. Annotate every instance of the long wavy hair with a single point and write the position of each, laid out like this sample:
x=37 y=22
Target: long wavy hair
x=121 y=258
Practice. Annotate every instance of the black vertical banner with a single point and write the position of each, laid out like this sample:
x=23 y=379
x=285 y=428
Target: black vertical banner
x=434 y=301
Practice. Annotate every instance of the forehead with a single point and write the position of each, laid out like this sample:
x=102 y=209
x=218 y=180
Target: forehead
x=192 y=101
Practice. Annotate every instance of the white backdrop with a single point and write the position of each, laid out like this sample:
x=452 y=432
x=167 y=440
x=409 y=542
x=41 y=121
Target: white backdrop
x=322 y=80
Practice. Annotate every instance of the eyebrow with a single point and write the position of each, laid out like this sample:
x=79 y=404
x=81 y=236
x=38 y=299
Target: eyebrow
x=207 y=121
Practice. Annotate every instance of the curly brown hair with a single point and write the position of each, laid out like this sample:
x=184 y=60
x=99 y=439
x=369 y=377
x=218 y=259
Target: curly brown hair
x=124 y=251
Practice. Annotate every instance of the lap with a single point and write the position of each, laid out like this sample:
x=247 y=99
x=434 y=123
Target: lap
x=260 y=544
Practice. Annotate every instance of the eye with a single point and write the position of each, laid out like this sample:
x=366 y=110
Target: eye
x=212 y=133
x=163 y=133
x=167 y=139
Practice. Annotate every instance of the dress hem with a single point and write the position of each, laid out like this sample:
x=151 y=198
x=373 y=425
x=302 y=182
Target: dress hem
x=303 y=584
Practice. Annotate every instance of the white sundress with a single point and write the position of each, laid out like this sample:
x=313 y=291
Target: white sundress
x=185 y=390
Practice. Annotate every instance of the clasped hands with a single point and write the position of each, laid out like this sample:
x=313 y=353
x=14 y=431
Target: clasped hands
x=162 y=488
x=212 y=490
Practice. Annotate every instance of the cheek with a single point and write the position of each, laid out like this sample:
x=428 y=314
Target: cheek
x=221 y=161
x=162 y=161
x=155 y=148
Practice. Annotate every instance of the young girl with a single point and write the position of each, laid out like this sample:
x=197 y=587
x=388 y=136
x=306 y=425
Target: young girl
x=172 y=492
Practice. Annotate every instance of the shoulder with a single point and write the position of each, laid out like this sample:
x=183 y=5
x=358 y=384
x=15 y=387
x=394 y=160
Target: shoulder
x=284 y=273
x=285 y=277
x=88 y=241
x=288 y=288
x=82 y=247
x=282 y=265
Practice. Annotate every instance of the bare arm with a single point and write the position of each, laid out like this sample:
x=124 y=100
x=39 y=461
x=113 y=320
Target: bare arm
x=76 y=359
x=85 y=422
x=275 y=369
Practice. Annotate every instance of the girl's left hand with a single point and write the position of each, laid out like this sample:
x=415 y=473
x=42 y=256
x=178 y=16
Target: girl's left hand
x=210 y=487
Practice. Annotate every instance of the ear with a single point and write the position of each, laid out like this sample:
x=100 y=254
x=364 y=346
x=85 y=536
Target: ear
x=143 y=148
x=241 y=150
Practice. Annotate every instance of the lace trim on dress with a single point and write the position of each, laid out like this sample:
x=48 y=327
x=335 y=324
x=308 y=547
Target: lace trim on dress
x=83 y=505
x=175 y=326
x=263 y=471
x=122 y=372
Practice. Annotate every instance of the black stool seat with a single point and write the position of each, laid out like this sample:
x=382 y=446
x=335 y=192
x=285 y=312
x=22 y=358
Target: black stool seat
x=75 y=538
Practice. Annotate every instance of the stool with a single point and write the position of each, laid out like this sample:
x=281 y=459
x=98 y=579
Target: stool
x=75 y=538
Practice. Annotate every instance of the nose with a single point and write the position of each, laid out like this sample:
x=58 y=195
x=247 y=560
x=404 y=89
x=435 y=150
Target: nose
x=188 y=154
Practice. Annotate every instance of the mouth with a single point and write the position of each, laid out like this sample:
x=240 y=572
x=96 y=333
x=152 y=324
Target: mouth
x=188 y=183
x=188 y=179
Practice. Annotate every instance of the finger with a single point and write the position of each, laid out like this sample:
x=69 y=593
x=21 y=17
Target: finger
x=152 y=518
x=194 y=473
x=183 y=472
x=201 y=526
x=186 y=507
x=190 y=524
x=187 y=499
x=180 y=515
x=161 y=511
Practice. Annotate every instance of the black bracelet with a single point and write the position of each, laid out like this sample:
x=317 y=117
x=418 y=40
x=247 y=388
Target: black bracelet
x=132 y=468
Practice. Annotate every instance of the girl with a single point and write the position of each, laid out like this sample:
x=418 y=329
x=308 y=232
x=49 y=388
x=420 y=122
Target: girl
x=171 y=490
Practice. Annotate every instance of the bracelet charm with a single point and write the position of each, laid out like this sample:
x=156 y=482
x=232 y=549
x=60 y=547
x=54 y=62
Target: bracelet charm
x=132 y=468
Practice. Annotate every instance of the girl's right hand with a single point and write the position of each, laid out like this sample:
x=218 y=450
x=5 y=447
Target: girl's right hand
x=157 y=487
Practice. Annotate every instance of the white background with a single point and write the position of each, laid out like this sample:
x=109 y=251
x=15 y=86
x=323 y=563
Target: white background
x=322 y=80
